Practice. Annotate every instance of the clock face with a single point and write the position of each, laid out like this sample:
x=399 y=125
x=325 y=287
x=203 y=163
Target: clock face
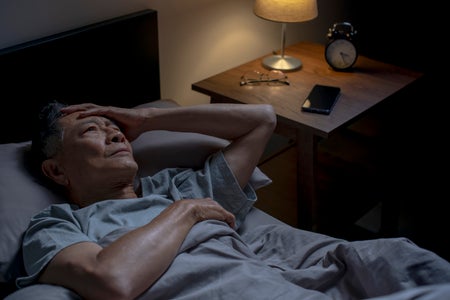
x=341 y=54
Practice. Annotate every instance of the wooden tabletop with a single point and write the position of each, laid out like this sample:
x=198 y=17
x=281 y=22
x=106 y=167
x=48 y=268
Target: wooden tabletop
x=368 y=84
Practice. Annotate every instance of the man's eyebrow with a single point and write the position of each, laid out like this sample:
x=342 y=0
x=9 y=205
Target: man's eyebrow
x=87 y=120
x=99 y=120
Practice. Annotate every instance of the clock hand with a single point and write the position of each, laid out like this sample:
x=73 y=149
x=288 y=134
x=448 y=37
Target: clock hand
x=343 y=55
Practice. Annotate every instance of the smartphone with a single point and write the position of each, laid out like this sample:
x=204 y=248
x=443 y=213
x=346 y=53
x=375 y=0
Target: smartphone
x=321 y=99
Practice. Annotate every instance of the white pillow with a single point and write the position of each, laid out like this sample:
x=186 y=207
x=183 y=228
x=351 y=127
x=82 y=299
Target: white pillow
x=159 y=149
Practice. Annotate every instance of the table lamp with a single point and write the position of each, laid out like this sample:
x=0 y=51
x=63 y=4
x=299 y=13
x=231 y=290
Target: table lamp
x=284 y=11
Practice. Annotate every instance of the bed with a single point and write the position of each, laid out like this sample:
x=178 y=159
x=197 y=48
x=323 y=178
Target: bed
x=116 y=62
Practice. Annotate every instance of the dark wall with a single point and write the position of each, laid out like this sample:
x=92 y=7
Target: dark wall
x=413 y=35
x=402 y=32
x=113 y=62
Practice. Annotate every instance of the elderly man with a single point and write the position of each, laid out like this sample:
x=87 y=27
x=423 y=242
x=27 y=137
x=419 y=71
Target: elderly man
x=111 y=241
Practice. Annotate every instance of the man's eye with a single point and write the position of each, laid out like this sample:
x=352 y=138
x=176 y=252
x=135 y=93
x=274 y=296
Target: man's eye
x=91 y=128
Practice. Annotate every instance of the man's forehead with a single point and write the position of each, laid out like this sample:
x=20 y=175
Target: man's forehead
x=74 y=119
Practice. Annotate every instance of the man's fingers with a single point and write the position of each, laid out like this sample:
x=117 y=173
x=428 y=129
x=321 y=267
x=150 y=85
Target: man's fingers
x=210 y=209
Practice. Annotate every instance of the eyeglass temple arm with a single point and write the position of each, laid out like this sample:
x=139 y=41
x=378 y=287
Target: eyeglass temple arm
x=247 y=81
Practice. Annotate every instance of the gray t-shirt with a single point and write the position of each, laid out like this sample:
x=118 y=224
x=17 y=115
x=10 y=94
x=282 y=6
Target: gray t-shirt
x=62 y=225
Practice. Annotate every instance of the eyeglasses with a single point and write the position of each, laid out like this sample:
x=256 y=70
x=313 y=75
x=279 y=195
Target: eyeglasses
x=274 y=77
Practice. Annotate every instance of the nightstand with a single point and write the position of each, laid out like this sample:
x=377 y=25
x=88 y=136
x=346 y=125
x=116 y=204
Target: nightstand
x=369 y=84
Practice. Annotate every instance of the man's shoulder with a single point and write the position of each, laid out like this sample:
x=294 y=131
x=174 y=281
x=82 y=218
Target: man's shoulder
x=58 y=209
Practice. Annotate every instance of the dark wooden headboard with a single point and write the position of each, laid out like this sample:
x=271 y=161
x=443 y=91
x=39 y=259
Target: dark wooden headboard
x=114 y=62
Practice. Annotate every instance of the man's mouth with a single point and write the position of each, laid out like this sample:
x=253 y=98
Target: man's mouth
x=123 y=151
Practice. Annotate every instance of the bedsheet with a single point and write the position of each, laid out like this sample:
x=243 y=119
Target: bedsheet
x=280 y=262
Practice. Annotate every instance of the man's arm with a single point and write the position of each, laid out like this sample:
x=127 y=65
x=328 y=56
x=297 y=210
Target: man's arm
x=132 y=263
x=248 y=126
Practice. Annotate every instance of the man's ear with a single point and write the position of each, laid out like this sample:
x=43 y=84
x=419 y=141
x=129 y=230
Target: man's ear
x=52 y=170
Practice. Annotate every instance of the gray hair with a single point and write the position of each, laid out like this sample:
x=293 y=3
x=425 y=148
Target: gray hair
x=47 y=139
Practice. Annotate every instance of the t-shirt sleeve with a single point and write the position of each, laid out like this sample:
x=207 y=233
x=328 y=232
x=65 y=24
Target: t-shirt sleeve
x=226 y=189
x=48 y=233
x=215 y=180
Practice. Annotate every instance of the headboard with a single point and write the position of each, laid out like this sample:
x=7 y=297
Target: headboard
x=113 y=62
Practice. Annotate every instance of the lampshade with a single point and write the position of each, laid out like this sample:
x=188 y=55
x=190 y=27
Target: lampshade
x=286 y=11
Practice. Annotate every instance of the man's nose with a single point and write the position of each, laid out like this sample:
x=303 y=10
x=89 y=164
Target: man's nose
x=116 y=136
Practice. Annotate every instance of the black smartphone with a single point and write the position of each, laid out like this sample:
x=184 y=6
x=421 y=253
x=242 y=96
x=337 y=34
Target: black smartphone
x=321 y=99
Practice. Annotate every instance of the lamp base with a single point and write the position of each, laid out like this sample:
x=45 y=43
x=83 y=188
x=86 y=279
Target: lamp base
x=283 y=63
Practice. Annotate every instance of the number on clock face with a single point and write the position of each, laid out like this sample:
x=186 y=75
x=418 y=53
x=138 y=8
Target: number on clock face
x=341 y=54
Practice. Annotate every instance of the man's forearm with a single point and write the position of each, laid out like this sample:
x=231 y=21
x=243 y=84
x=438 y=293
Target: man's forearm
x=249 y=127
x=228 y=121
x=140 y=257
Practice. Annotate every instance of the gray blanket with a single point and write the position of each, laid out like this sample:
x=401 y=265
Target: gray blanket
x=280 y=262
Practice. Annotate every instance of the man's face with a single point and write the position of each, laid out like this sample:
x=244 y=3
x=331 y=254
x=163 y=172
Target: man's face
x=94 y=150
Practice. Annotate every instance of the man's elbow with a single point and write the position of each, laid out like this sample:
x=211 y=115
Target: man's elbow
x=111 y=285
x=269 y=116
x=114 y=290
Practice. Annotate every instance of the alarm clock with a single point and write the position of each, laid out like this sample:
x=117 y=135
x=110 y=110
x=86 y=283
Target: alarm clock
x=341 y=51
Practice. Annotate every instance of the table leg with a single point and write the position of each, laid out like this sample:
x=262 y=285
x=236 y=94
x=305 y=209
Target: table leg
x=307 y=144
